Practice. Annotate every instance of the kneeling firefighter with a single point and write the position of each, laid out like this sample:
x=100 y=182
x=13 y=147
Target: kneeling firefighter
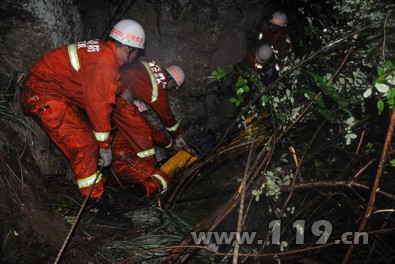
x=135 y=138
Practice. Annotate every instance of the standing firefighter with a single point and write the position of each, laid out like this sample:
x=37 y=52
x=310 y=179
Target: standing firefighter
x=134 y=144
x=84 y=76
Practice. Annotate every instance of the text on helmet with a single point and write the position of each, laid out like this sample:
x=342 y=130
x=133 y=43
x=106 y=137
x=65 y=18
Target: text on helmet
x=135 y=38
x=175 y=72
x=278 y=21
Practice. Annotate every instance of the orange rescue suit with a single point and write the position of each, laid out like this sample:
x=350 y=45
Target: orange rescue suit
x=139 y=78
x=133 y=150
x=134 y=144
x=64 y=81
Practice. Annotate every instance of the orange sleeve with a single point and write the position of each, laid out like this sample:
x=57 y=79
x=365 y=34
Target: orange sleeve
x=100 y=88
x=162 y=109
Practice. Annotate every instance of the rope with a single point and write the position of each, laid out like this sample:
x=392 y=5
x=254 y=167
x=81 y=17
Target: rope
x=78 y=217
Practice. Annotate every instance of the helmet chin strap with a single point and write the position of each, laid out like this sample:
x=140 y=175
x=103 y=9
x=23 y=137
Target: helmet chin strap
x=129 y=53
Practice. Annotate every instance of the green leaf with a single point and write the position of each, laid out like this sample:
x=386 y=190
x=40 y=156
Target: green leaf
x=390 y=102
x=380 y=71
x=240 y=81
x=380 y=106
x=381 y=87
x=245 y=88
x=388 y=64
x=343 y=103
x=326 y=114
x=309 y=94
x=219 y=73
x=390 y=79
x=320 y=101
x=392 y=162
x=240 y=91
x=268 y=147
x=235 y=101
x=328 y=89
x=265 y=98
x=315 y=76
x=391 y=94
x=379 y=79
x=367 y=93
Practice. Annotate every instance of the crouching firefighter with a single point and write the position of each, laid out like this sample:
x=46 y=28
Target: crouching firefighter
x=134 y=144
x=260 y=61
x=84 y=76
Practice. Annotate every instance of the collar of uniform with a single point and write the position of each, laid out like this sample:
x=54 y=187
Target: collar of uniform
x=114 y=50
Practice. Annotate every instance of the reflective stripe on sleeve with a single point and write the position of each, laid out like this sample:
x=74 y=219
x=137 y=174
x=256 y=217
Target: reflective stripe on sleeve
x=154 y=95
x=101 y=136
x=173 y=128
x=146 y=153
x=162 y=181
x=88 y=181
x=73 y=54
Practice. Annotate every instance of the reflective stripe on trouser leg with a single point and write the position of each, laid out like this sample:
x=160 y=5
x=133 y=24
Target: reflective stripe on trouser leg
x=97 y=190
x=171 y=143
x=139 y=170
x=88 y=181
x=173 y=128
x=135 y=132
x=162 y=181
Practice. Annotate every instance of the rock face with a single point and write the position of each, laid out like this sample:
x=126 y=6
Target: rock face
x=31 y=28
x=198 y=36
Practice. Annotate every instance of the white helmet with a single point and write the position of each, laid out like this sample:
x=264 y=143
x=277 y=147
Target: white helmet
x=129 y=33
x=263 y=53
x=177 y=74
x=279 y=19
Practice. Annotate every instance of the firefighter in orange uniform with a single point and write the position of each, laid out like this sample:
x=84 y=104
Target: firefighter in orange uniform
x=273 y=32
x=260 y=61
x=133 y=147
x=84 y=76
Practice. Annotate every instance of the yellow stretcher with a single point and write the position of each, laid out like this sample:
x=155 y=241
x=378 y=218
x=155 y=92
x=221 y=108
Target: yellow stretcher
x=184 y=158
x=179 y=160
